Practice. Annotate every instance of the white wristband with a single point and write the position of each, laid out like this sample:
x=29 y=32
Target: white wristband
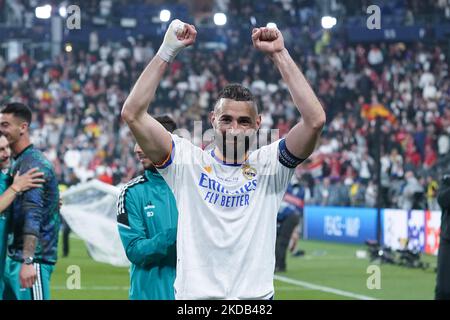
x=171 y=45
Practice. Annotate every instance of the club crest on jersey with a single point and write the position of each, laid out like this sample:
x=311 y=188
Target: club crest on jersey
x=248 y=172
x=149 y=209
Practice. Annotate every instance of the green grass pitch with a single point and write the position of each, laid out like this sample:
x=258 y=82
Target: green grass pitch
x=327 y=271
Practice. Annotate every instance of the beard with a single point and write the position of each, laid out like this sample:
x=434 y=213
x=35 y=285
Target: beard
x=234 y=147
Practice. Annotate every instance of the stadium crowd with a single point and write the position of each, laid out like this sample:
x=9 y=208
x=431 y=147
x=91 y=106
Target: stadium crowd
x=78 y=96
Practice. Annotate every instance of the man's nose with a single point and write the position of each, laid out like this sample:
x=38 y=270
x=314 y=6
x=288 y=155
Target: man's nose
x=235 y=129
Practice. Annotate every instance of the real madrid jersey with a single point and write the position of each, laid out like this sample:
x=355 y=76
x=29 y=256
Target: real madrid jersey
x=227 y=221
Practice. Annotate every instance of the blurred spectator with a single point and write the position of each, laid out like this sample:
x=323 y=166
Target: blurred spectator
x=358 y=194
x=375 y=58
x=432 y=190
x=396 y=161
x=413 y=193
x=322 y=192
x=371 y=195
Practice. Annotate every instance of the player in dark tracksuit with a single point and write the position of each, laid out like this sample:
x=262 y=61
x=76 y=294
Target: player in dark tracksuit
x=443 y=272
x=32 y=252
x=9 y=190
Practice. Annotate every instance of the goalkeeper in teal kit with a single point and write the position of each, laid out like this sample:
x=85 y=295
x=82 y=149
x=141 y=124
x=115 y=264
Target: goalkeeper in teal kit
x=147 y=220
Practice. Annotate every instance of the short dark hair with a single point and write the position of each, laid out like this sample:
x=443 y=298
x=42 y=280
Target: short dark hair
x=237 y=92
x=167 y=122
x=19 y=110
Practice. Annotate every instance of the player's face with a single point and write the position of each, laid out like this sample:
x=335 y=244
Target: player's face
x=12 y=127
x=234 y=123
x=5 y=152
x=143 y=159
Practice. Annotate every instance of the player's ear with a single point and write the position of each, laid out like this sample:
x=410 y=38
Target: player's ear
x=258 y=121
x=23 y=128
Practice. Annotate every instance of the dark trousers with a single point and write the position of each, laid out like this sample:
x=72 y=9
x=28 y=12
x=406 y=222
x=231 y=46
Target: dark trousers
x=284 y=232
x=443 y=272
x=65 y=233
x=443 y=269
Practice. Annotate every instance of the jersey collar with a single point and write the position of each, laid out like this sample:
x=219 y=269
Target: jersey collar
x=221 y=161
x=150 y=174
x=23 y=151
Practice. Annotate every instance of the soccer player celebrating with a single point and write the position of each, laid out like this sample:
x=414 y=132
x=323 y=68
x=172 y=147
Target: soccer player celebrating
x=35 y=214
x=147 y=219
x=227 y=198
x=8 y=192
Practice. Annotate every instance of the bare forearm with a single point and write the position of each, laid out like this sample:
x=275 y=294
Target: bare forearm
x=302 y=94
x=303 y=137
x=6 y=199
x=144 y=90
x=29 y=245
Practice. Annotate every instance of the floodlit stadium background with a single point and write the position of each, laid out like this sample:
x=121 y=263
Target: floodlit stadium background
x=76 y=67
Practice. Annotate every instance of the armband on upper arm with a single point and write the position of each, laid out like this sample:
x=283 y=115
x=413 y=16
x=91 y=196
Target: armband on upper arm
x=285 y=157
x=168 y=159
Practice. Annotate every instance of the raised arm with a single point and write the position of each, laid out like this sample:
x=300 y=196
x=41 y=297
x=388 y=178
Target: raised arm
x=302 y=138
x=154 y=140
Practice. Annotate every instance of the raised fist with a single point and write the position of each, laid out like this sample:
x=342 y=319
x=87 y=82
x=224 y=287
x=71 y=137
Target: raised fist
x=178 y=36
x=184 y=32
x=268 y=40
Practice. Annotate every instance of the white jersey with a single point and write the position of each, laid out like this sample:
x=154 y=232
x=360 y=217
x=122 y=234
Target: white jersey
x=227 y=221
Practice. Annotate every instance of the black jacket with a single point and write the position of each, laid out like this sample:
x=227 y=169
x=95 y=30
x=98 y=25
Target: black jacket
x=444 y=202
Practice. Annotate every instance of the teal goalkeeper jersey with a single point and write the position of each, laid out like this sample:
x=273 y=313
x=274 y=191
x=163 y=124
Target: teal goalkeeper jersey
x=147 y=221
x=5 y=181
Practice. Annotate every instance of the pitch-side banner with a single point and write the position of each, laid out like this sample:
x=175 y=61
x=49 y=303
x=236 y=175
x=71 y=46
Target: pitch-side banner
x=415 y=229
x=340 y=224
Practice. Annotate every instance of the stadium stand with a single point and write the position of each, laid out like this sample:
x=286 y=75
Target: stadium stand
x=77 y=96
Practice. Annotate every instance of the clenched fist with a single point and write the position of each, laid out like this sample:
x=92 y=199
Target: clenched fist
x=178 y=36
x=268 y=40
